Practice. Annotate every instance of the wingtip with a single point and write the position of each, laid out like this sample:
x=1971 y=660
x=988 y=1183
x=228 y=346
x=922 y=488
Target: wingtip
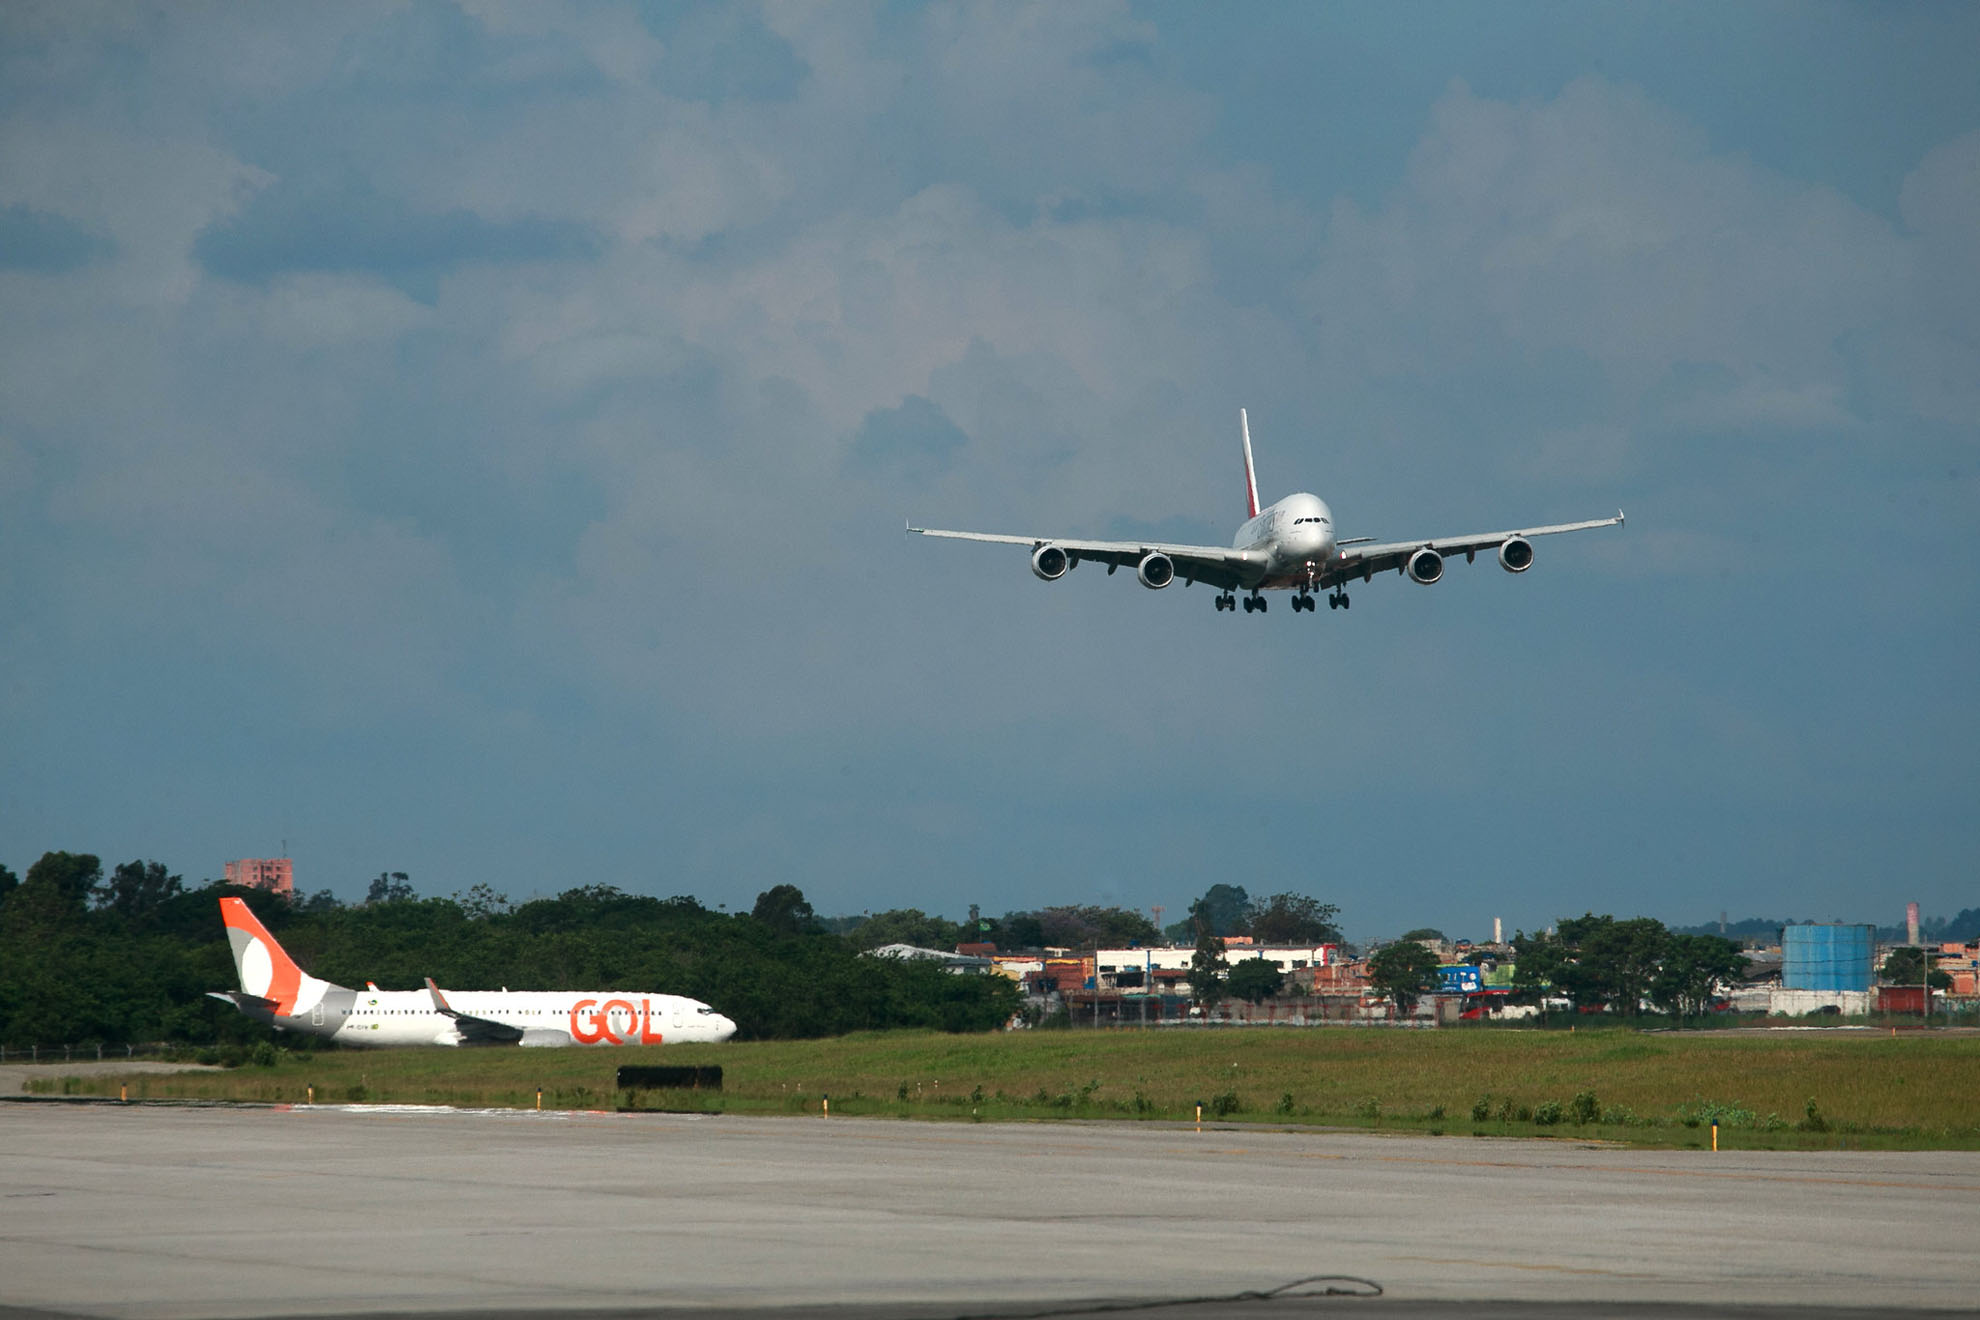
x=1619 y=518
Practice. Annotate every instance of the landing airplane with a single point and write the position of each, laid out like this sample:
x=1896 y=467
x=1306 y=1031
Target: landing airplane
x=275 y=991
x=1290 y=546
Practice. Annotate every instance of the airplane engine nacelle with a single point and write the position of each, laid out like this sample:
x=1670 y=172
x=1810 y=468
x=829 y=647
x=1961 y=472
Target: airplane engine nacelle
x=1425 y=566
x=1050 y=562
x=1516 y=554
x=1156 y=570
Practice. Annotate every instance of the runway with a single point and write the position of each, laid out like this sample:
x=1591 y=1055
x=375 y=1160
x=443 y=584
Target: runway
x=140 y=1211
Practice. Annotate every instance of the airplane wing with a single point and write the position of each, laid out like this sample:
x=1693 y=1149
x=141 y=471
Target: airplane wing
x=1366 y=558
x=1219 y=566
x=474 y=1030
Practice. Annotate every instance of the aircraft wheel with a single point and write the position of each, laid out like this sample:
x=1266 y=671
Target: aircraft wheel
x=1344 y=600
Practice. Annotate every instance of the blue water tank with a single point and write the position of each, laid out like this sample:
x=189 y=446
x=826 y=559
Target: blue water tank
x=1828 y=957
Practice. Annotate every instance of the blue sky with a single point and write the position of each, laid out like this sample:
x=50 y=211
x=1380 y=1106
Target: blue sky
x=474 y=439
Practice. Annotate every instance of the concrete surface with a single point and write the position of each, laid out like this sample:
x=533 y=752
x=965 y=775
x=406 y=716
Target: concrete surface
x=14 y=1077
x=140 y=1211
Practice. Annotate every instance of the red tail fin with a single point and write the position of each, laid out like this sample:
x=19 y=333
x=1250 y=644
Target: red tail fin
x=265 y=968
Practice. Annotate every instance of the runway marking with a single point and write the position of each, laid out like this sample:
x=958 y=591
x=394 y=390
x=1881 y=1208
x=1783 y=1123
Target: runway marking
x=1519 y=1265
x=1740 y=1175
x=844 y=1130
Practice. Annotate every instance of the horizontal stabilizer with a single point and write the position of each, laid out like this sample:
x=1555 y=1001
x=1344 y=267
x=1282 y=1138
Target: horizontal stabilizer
x=243 y=1000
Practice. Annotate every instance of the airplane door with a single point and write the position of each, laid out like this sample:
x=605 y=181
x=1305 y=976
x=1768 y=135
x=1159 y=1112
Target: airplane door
x=316 y=1014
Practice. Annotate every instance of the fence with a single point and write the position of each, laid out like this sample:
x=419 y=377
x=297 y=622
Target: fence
x=89 y=1050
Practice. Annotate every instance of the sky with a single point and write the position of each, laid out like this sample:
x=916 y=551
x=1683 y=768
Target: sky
x=475 y=440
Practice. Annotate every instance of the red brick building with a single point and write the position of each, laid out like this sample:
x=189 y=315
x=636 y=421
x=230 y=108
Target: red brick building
x=271 y=873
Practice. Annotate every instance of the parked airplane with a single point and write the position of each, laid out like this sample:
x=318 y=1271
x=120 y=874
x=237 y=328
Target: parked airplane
x=276 y=991
x=1290 y=546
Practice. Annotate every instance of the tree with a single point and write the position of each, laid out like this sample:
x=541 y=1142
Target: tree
x=1206 y=970
x=1404 y=971
x=1691 y=971
x=1091 y=927
x=1903 y=966
x=481 y=903
x=1020 y=930
x=1624 y=957
x=905 y=926
x=1254 y=980
x=784 y=908
x=1424 y=933
x=1293 y=919
x=9 y=882
x=137 y=889
x=390 y=887
x=1595 y=961
x=1221 y=911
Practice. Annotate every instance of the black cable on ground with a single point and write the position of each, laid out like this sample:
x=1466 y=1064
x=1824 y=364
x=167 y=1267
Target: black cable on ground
x=1355 y=1287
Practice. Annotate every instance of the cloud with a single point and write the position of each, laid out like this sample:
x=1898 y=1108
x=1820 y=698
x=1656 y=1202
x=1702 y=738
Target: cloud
x=40 y=241
x=916 y=439
x=1598 y=226
x=344 y=224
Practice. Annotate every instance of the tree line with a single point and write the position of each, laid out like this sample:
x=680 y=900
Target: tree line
x=1596 y=963
x=130 y=956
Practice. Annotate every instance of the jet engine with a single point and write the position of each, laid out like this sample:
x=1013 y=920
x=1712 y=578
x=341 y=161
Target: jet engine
x=1050 y=562
x=1425 y=566
x=1516 y=554
x=1156 y=570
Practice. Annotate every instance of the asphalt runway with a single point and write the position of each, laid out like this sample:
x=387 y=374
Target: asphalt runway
x=152 y=1211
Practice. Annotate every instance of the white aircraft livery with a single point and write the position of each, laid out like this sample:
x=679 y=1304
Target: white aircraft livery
x=1290 y=546
x=276 y=991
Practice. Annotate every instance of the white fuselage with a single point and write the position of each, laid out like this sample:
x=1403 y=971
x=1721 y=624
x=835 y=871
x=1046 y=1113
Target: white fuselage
x=1297 y=537
x=408 y=1017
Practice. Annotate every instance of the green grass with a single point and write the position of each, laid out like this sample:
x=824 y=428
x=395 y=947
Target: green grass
x=1653 y=1089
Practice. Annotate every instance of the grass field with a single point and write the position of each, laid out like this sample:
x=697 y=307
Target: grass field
x=1777 y=1090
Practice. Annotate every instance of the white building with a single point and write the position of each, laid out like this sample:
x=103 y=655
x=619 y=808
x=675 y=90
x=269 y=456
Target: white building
x=1134 y=969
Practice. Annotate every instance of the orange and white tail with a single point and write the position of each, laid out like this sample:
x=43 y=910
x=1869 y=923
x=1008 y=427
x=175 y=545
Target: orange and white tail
x=1250 y=474
x=266 y=970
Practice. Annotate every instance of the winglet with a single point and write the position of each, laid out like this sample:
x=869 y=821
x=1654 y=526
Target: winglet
x=440 y=1004
x=1250 y=474
x=1619 y=518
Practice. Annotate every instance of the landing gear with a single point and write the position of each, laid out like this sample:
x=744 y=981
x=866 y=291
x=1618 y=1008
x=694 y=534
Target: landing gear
x=1303 y=601
x=1337 y=601
x=1225 y=601
x=1255 y=602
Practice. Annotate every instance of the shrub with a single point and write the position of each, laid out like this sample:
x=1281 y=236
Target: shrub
x=1370 y=1108
x=1583 y=1109
x=1548 y=1114
x=1813 y=1120
x=1224 y=1103
x=1285 y=1105
x=1482 y=1110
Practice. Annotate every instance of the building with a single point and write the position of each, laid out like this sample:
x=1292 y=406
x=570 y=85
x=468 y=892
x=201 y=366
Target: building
x=276 y=874
x=958 y=963
x=1139 y=969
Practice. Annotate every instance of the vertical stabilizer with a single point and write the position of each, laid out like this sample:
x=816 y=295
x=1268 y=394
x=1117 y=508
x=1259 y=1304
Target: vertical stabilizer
x=1250 y=474
x=266 y=969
